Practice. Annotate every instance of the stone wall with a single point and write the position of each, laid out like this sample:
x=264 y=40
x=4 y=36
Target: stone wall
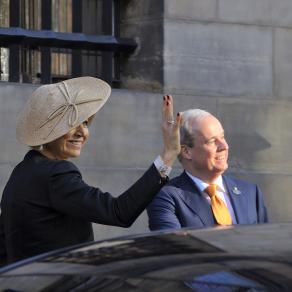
x=143 y=21
x=210 y=48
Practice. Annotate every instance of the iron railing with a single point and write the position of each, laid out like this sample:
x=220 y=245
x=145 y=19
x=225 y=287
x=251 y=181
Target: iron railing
x=33 y=53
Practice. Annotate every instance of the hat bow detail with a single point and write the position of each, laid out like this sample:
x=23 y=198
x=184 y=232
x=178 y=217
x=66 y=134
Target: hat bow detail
x=70 y=106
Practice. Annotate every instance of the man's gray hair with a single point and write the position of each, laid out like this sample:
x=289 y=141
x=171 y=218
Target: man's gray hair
x=191 y=118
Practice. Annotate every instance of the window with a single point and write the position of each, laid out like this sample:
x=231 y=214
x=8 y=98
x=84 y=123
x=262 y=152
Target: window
x=69 y=51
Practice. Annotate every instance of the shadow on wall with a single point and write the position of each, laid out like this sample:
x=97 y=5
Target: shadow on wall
x=249 y=143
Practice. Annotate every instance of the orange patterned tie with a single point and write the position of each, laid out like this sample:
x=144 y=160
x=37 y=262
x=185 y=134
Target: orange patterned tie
x=220 y=211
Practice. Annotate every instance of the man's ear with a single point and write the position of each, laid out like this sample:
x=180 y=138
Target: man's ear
x=185 y=152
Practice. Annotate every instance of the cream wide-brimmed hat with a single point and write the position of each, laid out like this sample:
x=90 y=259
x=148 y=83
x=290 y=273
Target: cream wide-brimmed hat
x=53 y=110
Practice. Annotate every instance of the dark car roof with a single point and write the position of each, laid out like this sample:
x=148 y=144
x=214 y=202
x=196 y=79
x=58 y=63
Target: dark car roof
x=236 y=258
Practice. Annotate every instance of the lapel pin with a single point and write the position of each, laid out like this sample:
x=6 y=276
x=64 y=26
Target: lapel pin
x=236 y=191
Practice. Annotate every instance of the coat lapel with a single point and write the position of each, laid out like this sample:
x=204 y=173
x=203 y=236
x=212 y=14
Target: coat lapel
x=238 y=200
x=195 y=200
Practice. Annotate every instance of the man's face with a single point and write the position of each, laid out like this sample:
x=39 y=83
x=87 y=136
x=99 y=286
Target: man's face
x=208 y=157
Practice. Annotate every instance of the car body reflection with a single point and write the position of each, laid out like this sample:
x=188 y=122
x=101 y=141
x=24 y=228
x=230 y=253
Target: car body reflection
x=236 y=258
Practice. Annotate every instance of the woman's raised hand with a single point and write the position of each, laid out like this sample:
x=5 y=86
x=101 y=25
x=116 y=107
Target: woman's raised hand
x=170 y=130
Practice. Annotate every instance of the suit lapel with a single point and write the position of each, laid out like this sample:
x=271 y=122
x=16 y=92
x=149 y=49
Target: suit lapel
x=238 y=200
x=195 y=200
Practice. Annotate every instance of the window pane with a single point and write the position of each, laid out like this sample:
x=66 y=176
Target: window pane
x=61 y=22
x=4 y=53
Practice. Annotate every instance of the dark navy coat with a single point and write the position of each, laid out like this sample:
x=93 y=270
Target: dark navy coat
x=181 y=204
x=46 y=205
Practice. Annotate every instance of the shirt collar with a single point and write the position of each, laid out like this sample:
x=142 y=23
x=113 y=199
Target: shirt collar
x=202 y=185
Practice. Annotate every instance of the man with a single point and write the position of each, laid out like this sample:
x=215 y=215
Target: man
x=202 y=196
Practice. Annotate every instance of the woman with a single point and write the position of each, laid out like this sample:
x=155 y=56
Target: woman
x=46 y=205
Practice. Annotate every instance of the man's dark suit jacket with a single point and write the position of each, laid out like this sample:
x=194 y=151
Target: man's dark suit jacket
x=181 y=204
x=46 y=205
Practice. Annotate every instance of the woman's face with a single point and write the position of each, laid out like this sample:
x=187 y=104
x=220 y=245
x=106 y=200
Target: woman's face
x=69 y=145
